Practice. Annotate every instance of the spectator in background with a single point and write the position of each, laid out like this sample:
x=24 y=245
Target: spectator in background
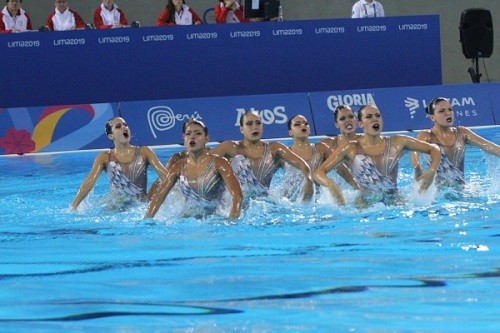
x=109 y=16
x=178 y=13
x=229 y=11
x=13 y=18
x=63 y=18
x=367 y=8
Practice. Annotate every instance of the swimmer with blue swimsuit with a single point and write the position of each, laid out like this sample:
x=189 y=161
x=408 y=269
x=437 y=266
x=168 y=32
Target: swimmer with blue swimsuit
x=452 y=143
x=255 y=162
x=373 y=159
x=126 y=166
x=203 y=177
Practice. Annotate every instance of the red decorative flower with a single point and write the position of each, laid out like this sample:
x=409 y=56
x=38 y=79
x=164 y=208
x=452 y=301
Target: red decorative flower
x=17 y=142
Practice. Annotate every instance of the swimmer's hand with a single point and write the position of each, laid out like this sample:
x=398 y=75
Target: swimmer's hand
x=426 y=180
x=336 y=193
x=418 y=172
x=234 y=215
x=307 y=190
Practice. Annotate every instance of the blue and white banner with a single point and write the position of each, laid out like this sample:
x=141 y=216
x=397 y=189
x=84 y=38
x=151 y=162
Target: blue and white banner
x=404 y=108
x=159 y=122
x=180 y=62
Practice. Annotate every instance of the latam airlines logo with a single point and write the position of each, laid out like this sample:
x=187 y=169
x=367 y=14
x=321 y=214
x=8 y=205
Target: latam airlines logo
x=462 y=106
x=163 y=118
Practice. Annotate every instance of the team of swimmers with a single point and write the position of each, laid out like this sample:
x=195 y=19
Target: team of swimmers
x=368 y=161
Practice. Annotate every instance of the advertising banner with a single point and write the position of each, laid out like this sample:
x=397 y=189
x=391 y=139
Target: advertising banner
x=181 y=62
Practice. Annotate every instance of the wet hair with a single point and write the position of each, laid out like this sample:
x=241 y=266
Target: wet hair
x=108 y=129
x=194 y=121
x=337 y=109
x=429 y=109
x=289 y=124
x=360 y=111
x=248 y=112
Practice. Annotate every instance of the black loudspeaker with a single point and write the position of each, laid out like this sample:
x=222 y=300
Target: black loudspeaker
x=476 y=33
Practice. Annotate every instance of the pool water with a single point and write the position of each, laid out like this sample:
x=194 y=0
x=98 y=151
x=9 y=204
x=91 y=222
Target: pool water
x=431 y=265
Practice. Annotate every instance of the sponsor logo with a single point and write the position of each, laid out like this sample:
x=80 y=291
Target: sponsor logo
x=157 y=38
x=414 y=26
x=372 y=28
x=69 y=41
x=24 y=43
x=275 y=116
x=244 y=34
x=114 y=40
x=202 y=35
x=412 y=105
x=352 y=100
x=329 y=30
x=462 y=106
x=163 y=118
x=287 y=32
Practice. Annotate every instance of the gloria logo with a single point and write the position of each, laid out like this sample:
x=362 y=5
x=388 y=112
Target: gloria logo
x=462 y=106
x=353 y=100
x=163 y=118
x=275 y=116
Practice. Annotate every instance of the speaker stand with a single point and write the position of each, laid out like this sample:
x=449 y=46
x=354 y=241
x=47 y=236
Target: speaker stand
x=474 y=72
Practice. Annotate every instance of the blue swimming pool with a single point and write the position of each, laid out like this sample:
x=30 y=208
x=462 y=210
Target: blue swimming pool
x=431 y=265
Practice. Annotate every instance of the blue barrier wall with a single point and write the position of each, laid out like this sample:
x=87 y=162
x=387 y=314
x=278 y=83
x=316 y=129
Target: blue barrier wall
x=159 y=122
x=153 y=63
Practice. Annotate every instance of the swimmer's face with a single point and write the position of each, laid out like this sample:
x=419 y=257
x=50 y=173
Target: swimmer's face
x=299 y=127
x=371 y=120
x=443 y=114
x=194 y=137
x=252 y=127
x=119 y=130
x=346 y=121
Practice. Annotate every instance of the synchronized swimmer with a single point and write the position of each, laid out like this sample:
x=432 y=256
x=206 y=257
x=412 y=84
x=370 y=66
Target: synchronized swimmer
x=244 y=169
x=126 y=166
x=373 y=160
x=201 y=175
x=451 y=142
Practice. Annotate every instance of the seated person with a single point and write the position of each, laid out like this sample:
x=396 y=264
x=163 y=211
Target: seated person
x=64 y=18
x=367 y=8
x=109 y=16
x=229 y=11
x=13 y=18
x=178 y=13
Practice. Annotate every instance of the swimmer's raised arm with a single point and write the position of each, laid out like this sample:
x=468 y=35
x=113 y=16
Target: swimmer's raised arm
x=89 y=182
